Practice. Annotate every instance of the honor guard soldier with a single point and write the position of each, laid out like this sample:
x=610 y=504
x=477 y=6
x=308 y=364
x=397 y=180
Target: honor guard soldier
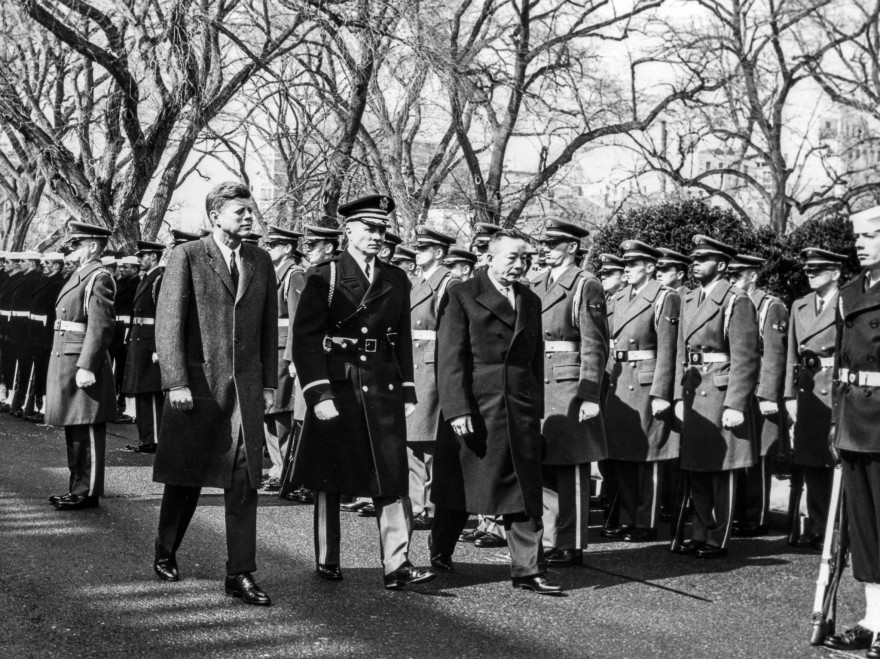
x=716 y=379
x=143 y=379
x=461 y=263
x=126 y=287
x=405 y=259
x=753 y=499
x=179 y=237
x=483 y=232
x=672 y=269
x=352 y=349
x=575 y=351
x=855 y=417
x=79 y=386
x=611 y=274
x=320 y=243
x=32 y=275
x=808 y=384
x=427 y=297
x=644 y=337
x=282 y=244
x=392 y=240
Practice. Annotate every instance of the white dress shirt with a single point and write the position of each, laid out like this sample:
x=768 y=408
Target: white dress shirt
x=229 y=254
x=362 y=264
x=506 y=291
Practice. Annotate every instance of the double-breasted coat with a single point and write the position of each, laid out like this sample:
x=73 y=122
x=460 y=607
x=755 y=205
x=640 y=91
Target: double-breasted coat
x=426 y=298
x=222 y=343
x=290 y=280
x=811 y=341
x=646 y=320
x=491 y=367
x=85 y=299
x=41 y=321
x=19 y=323
x=365 y=366
x=573 y=377
x=773 y=343
x=726 y=322
x=142 y=374
x=855 y=411
x=6 y=295
x=126 y=287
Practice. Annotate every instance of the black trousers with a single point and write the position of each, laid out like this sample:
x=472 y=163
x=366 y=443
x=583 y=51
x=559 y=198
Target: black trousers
x=670 y=494
x=861 y=483
x=817 y=481
x=8 y=359
x=179 y=505
x=638 y=492
x=524 y=539
x=753 y=493
x=148 y=410
x=572 y=486
x=86 y=446
x=714 y=494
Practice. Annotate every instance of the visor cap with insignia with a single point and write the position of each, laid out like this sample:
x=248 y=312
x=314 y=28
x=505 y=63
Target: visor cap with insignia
x=706 y=246
x=555 y=229
x=426 y=236
x=30 y=255
x=816 y=258
x=742 y=262
x=312 y=233
x=483 y=232
x=373 y=210
x=636 y=250
x=83 y=231
x=459 y=255
x=252 y=238
x=866 y=221
x=402 y=254
x=669 y=257
x=392 y=239
x=107 y=261
x=180 y=237
x=278 y=234
x=610 y=263
x=129 y=260
x=150 y=247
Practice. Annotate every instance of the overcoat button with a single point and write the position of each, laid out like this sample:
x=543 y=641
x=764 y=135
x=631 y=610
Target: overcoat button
x=549 y=355
x=702 y=393
x=417 y=344
x=547 y=380
x=364 y=330
x=633 y=364
x=390 y=387
x=363 y=358
x=418 y=322
x=547 y=333
x=705 y=368
x=823 y=392
x=631 y=387
x=632 y=340
x=365 y=388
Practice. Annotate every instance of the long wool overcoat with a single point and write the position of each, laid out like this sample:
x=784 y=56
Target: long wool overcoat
x=142 y=374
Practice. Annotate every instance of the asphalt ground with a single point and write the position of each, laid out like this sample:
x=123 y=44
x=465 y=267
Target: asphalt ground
x=80 y=584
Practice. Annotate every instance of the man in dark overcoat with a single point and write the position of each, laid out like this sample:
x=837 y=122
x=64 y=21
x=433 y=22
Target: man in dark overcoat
x=491 y=384
x=638 y=412
x=808 y=384
x=352 y=350
x=79 y=386
x=217 y=341
x=576 y=350
x=126 y=286
x=714 y=397
x=8 y=356
x=18 y=327
x=143 y=379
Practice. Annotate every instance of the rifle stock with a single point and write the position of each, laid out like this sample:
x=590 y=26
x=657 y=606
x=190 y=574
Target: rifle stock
x=681 y=518
x=794 y=505
x=831 y=566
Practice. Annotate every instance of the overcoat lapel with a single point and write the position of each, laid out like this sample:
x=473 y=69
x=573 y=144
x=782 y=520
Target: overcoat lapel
x=553 y=294
x=632 y=309
x=380 y=286
x=247 y=271
x=813 y=324
x=354 y=281
x=524 y=310
x=488 y=296
x=855 y=301
x=218 y=263
x=710 y=308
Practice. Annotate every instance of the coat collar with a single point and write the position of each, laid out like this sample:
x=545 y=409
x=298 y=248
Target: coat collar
x=854 y=298
x=354 y=283
x=488 y=296
x=553 y=293
x=145 y=283
x=78 y=275
x=804 y=312
x=626 y=310
x=282 y=268
x=711 y=307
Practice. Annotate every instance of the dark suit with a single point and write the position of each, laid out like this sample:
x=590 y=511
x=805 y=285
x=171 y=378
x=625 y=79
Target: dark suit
x=221 y=342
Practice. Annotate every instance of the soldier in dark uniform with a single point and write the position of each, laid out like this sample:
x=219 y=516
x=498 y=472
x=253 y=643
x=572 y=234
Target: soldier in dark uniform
x=405 y=259
x=809 y=365
x=576 y=351
x=352 y=350
x=79 y=386
x=32 y=275
x=461 y=263
x=320 y=243
x=143 y=379
x=392 y=240
x=282 y=246
x=855 y=417
x=483 y=232
x=427 y=297
x=753 y=498
x=126 y=285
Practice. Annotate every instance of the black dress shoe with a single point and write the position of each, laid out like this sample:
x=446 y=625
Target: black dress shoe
x=305 y=496
x=34 y=418
x=490 y=541
x=640 y=535
x=76 y=502
x=165 y=567
x=874 y=650
x=367 y=511
x=811 y=541
x=750 y=530
x=854 y=638
x=272 y=485
x=442 y=563
x=55 y=498
x=408 y=575
x=617 y=531
x=329 y=572
x=422 y=522
x=17 y=414
x=243 y=586
x=711 y=551
x=4 y=408
x=353 y=507
x=145 y=448
x=124 y=419
x=689 y=547
x=471 y=536
x=537 y=583
x=566 y=558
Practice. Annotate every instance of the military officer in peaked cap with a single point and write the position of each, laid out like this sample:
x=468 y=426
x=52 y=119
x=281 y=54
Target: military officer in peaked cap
x=461 y=262
x=320 y=243
x=855 y=416
x=672 y=269
x=253 y=238
x=716 y=378
x=427 y=298
x=404 y=258
x=143 y=379
x=391 y=242
x=812 y=336
x=753 y=499
x=611 y=273
x=352 y=349
x=575 y=349
x=79 y=386
x=483 y=232
x=179 y=237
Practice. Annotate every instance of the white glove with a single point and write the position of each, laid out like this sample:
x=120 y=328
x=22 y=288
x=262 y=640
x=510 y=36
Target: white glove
x=768 y=407
x=791 y=407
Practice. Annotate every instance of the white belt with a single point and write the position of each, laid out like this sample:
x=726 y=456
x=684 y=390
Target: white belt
x=143 y=321
x=5 y=312
x=634 y=355
x=19 y=314
x=39 y=319
x=859 y=378
x=68 y=326
x=424 y=335
x=123 y=319
x=284 y=322
x=562 y=346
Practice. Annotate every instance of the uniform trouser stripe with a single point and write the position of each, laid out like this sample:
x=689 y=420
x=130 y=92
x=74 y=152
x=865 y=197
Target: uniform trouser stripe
x=155 y=422
x=92 y=469
x=577 y=507
x=570 y=516
x=730 y=504
x=327 y=528
x=85 y=458
x=655 y=491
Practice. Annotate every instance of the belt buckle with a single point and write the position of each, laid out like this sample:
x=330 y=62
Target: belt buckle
x=620 y=355
x=327 y=344
x=812 y=362
x=852 y=377
x=696 y=358
x=57 y=325
x=370 y=345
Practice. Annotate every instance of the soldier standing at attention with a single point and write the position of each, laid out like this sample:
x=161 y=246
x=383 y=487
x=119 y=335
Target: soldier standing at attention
x=576 y=351
x=405 y=259
x=855 y=417
x=79 y=387
x=320 y=243
x=672 y=269
x=353 y=354
x=427 y=297
x=143 y=379
x=483 y=232
x=461 y=263
x=611 y=274
x=753 y=500
x=714 y=395
x=126 y=285
x=808 y=383
x=638 y=414
x=32 y=275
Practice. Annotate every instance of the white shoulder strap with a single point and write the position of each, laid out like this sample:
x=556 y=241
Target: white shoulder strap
x=90 y=285
x=728 y=312
x=763 y=310
x=332 y=283
x=576 y=302
x=658 y=307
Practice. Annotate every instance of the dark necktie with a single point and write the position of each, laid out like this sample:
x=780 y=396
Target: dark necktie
x=701 y=297
x=820 y=306
x=233 y=270
x=367 y=271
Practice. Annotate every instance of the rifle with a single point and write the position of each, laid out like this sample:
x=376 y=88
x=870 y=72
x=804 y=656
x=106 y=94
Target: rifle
x=683 y=511
x=794 y=505
x=834 y=553
x=29 y=398
x=287 y=485
x=13 y=391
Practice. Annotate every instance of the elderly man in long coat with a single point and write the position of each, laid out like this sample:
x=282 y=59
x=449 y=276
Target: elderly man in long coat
x=217 y=339
x=490 y=380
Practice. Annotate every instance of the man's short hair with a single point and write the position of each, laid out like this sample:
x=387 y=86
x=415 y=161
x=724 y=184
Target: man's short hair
x=505 y=233
x=224 y=192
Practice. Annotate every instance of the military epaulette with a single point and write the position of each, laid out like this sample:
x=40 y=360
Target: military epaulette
x=90 y=285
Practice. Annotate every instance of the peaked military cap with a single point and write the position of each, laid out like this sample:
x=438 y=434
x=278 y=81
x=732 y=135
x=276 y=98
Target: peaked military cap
x=129 y=260
x=426 y=236
x=706 y=246
x=610 y=262
x=13 y=256
x=52 y=256
x=252 y=238
x=866 y=221
x=392 y=239
x=313 y=232
x=30 y=255
x=179 y=237
x=633 y=250
x=459 y=255
x=150 y=247
x=556 y=229
x=671 y=257
x=742 y=262
x=107 y=261
x=278 y=234
x=373 y=210
x=816 y=258
x=483 y=231
x=403 y=254
x=83 y=231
